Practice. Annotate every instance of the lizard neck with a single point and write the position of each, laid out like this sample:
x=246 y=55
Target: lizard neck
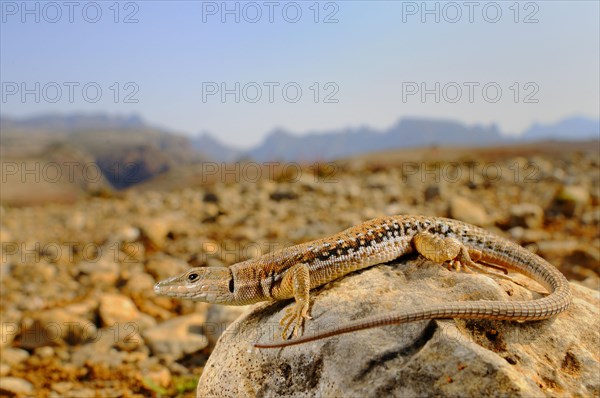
x=251 y=281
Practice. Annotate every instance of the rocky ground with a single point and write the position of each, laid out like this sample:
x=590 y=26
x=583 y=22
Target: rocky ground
x=79 y=317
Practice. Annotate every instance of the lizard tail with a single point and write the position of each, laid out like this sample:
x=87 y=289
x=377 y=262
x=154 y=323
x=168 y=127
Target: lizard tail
x=516 y=310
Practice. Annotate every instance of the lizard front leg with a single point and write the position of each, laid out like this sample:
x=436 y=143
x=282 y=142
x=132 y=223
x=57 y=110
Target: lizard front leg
x=299 y=278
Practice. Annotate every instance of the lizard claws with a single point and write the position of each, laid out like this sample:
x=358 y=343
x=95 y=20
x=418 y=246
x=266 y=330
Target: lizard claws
x=458 y=266
x=294 y=316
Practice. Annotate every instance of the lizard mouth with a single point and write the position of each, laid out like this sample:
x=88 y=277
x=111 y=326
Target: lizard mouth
x=164 y=287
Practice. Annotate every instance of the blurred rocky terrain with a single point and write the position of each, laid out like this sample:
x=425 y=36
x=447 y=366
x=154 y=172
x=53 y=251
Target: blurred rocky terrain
x=79 y=317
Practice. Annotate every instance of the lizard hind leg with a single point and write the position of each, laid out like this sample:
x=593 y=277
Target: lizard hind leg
x=467 y=256
x=446 y=250
x=457 y=255
x=438 y=249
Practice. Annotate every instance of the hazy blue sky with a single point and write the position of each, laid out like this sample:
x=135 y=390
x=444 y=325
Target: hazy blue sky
x=370 y=62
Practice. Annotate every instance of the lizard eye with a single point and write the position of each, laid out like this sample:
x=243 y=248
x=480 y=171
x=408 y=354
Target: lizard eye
x=192 y=277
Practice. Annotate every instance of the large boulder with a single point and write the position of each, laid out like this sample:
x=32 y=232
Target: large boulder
x=555 y=357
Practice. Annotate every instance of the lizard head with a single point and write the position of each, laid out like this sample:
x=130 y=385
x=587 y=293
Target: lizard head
x=207 y=284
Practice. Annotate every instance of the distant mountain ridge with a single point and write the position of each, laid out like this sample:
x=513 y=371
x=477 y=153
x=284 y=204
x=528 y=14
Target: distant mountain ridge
x=406 y=133
x=316 y=146
x=409 y=132
x=72 y=122
x=573 y=128
x=212 y=148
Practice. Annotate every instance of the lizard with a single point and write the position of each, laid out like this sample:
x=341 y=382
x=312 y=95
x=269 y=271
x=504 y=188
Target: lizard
x=294 y=271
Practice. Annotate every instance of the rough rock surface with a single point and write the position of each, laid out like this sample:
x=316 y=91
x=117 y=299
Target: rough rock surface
x=556 y=357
